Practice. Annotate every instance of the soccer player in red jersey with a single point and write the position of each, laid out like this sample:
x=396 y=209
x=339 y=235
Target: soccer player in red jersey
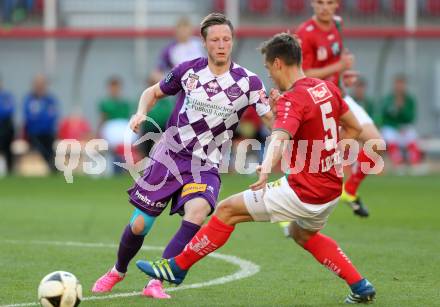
x=324 y=57
x=307 y=117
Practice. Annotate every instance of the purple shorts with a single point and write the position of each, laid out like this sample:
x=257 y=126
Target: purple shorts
x=173 y=180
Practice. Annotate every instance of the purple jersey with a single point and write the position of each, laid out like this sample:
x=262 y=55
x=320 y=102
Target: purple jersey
x=209 y=107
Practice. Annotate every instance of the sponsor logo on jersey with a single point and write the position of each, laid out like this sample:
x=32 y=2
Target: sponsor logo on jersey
x=191 y=83
x=191 y=188
x=148 y=202
x=320 y=93
x=331 y=37
x=322 y=54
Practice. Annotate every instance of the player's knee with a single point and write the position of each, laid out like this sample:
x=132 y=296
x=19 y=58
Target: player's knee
x=196 y=217
x=141 y=222
x=299 y=235
x=137 y=227
x=196 y=211
x=225 y=211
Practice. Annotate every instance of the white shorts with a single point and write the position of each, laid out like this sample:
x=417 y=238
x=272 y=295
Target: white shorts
x=281 y=204
x=359 y=112
x=403 y=136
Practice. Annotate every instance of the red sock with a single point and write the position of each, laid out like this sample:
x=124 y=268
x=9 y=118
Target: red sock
x=208 y=239
x=357 y=176
x=395 y=154
x=414 y=153
x=329 y=254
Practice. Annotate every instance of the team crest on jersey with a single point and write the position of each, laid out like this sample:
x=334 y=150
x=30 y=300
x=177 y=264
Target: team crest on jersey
x=191 y=83
x=322 y=54
x=233 y=92
x=320 y=93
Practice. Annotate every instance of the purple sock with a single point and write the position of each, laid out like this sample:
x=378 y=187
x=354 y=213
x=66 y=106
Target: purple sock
x=182 y=237
x=128 y=247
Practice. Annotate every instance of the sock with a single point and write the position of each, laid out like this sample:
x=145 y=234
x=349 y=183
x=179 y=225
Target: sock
x=208 y=239
x=395 y=154
x=357 y=175
x=182 y=237
x=129 y=245
x=329 y=254
x=414 y=153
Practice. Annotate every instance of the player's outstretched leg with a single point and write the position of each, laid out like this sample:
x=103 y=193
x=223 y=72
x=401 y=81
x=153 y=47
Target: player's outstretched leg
x=327 y=252
x=196 y=211
x=209 y=238
x=131 y=241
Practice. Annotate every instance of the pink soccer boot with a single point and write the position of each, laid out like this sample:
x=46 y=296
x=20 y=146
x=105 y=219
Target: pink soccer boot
x=155 y=289
x=106 y=282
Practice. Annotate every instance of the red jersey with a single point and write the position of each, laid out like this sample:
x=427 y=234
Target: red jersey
x=310 y=113
x=321 y=48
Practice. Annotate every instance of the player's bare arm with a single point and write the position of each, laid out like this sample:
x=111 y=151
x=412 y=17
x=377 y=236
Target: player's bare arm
x=345 y=63
x=268 y=119
x=271 y=100
x=148 y=99
x=272 y=158
x=350 y=127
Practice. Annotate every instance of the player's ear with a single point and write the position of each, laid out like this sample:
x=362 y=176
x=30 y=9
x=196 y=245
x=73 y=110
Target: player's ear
x=277 y=63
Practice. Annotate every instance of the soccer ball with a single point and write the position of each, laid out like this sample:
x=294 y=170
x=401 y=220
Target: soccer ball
x=60 y=289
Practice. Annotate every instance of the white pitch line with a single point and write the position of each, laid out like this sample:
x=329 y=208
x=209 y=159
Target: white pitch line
x=247 y=269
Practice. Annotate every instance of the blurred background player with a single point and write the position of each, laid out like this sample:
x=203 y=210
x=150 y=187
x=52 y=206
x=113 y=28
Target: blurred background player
x=184 y=47
x=114 y=106
x=7 y=108
x=115 y=111
x=160 y=114
x=399 y=110
x=304 y=199
x=196 y=134
x=40 y=116
x=359 y=94
x=325 y=57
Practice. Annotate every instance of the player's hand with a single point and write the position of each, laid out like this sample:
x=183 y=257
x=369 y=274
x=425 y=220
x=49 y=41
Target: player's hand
x=350 y=77
x=274 y=95
x=262 y=180
x=347 y=60
x=136 y=121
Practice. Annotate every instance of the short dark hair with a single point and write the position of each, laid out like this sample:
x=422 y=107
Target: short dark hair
x=283 y=46
x=212 y=20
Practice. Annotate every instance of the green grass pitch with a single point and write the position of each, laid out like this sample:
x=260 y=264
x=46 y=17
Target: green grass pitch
x=397 y=248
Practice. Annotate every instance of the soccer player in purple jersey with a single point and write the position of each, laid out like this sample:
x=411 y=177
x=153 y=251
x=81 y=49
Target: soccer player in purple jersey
x=213 y=93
